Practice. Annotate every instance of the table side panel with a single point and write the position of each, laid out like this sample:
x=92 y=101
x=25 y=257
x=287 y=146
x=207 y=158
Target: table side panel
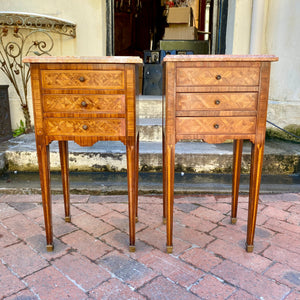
x=170 y=103
x=37 y=99
x=263 y=97
x=130 y=92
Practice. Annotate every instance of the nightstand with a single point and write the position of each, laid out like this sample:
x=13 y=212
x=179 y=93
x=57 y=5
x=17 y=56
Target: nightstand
x=214 y=98
x=85 y=100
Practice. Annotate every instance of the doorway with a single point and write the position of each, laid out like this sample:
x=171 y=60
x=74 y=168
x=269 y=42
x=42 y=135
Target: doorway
x=137 y=25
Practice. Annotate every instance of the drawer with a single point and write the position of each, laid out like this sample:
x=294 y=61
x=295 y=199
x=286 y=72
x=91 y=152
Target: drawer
x=85 y=127
x=84 y=103
x=217 y=76
x=215 y=125
x=85 y=79
x=216 y=101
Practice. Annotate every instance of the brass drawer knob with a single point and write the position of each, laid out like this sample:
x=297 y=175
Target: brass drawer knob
x=84 y=127
x=218 y=77
x=216 y=126
x=217 y=102
x=81 y=79
x=83 y=104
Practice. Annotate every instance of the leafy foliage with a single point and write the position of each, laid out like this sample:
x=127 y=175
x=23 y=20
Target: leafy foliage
x=20 y=130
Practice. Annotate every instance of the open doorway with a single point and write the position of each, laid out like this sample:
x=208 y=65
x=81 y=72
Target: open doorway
x=145 y=28
x=139 y=25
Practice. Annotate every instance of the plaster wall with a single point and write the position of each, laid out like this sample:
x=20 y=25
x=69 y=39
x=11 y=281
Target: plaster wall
x=90 y=18
x=279 y=36
x=282 y=39
x=238 y=26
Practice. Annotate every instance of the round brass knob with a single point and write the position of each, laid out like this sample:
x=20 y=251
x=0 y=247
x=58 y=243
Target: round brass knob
x=218 y=77
x=84 y=127
x=81 y=79
x=83 y=104
x=216 y=126
x=217 y=102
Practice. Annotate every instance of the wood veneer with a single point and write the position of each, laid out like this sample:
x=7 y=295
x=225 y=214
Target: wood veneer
x=214 y=98
x=84 y=99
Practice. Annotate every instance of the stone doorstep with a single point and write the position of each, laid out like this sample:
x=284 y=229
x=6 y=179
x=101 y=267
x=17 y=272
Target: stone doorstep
x=280 y=157
x=150 y=129
x=150 y=106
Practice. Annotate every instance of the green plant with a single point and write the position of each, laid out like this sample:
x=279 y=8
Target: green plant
x=20 y=130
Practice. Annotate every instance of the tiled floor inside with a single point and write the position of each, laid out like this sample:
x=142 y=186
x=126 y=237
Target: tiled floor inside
x=91 y=258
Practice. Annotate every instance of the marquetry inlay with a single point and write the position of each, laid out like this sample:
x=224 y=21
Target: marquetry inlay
x=81 y=127
x=84 y=100
x=84 y=103
x=214 y=98
x=112 y=79
x=217 y=76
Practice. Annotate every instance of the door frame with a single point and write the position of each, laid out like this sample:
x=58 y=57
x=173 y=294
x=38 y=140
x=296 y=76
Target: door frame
x=110 y=28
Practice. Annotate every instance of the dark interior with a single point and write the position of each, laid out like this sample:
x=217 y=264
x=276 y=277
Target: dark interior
x=138 y=25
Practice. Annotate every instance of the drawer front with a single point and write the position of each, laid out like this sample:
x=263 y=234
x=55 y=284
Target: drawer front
x=218 y=76
x=85 y=127
x=216 y=101
x=215 y=125
x=84 y=103
x=75 y=79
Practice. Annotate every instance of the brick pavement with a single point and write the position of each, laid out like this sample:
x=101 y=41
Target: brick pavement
x=91 y=258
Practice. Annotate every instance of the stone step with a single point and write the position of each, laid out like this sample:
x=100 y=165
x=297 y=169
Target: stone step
x=150 y=129
x=150 y=106
x=191 y=157
x=150 y=118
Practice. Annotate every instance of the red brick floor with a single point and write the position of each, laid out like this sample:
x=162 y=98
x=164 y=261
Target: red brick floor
x=91 y=258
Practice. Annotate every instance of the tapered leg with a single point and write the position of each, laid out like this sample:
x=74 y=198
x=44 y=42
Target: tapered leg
x=257 y=153
x=131 y=167
x=137 y=176
x=236 y=175
x=64 y=162
x=164 y=181
x=44 y=170
x=169 y=163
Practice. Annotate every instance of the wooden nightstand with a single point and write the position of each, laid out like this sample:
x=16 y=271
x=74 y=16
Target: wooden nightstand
x=84 y=99
x=214 y=98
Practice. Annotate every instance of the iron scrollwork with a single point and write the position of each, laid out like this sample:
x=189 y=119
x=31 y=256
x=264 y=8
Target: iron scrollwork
x=23 y=35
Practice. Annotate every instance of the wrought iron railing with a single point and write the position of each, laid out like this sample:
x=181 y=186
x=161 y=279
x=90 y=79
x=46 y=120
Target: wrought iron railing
x=21 y=35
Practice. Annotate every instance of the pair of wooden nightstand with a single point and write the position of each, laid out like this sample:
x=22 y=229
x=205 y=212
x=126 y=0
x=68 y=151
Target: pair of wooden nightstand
x=212 y=98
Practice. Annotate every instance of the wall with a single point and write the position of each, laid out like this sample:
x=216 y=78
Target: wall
x=90 y=17
x=282 y=32
x=279 y=35
x=238 y=26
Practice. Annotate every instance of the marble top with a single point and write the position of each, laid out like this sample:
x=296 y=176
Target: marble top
x=220 y=58
x=83 y=59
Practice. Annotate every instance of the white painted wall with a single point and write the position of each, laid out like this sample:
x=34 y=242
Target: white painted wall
x=238 y=26
x=90 y=17
x=283 y=39
x=278 y=35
